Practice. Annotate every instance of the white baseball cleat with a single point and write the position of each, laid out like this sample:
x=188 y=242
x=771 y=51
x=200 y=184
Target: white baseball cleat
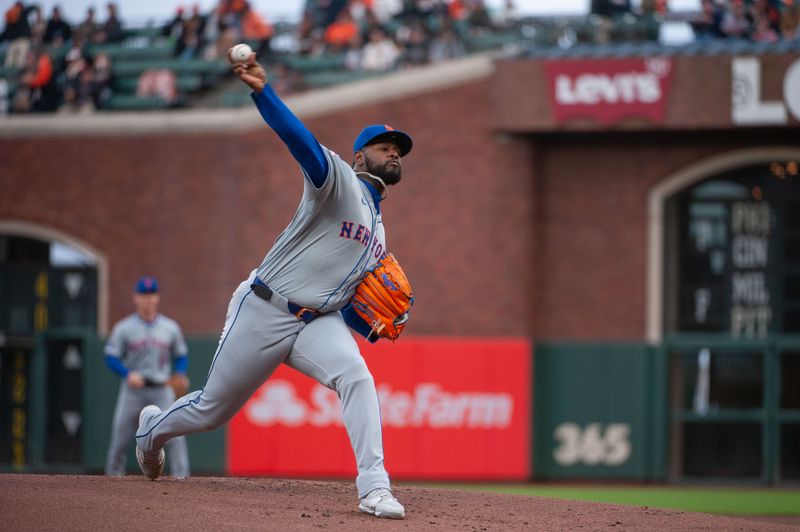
x=151 y=463
x=381 y=503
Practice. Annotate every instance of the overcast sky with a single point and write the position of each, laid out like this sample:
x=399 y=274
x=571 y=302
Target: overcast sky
x=138 y=12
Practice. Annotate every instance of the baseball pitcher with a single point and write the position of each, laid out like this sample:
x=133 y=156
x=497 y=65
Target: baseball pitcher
x=141 y=350
x=295 y=308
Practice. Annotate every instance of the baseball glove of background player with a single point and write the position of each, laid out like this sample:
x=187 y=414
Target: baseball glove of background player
x=179 y=384
x=383 y=298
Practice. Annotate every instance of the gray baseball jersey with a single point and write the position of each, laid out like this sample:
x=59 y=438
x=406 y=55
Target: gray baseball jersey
x=147 y=347
x=316 y=261
x=335 y=235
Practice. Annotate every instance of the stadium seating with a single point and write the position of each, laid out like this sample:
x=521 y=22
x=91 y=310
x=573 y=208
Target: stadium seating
x=210 y=81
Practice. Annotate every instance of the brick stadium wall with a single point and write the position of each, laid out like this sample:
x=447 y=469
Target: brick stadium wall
x=591 y=201
x=199 y=211
x=501 y=235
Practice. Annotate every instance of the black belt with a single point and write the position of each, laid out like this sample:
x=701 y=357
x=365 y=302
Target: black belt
x=150 y=384
x=266 y=293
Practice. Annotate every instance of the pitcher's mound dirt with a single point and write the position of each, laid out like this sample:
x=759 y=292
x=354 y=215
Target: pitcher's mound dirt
x=72 y=502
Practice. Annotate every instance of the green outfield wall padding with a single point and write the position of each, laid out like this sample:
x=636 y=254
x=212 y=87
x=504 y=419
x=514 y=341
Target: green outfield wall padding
x=599 y=411
x=98 y=388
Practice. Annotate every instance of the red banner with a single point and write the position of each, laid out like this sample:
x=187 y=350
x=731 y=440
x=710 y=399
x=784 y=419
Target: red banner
x=608 y=90
x=451 y=409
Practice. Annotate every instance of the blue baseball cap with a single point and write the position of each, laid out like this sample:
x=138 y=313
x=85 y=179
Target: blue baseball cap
x=383 y=133
x=147 y=285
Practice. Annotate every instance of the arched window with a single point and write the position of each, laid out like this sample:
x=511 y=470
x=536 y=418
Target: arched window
x=47 y=280
x=727 y=233
x=733 y=253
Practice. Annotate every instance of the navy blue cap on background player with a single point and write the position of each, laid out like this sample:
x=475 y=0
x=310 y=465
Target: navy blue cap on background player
x=147 y=285
x=383 y=133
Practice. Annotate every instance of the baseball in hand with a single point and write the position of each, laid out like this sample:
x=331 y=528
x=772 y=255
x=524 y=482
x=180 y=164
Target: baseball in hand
x=240 y=53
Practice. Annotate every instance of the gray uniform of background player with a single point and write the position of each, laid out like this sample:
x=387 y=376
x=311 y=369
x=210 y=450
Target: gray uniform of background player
x=148 y=348
x=313 y=265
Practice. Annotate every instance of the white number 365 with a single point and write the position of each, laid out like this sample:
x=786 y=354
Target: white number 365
x=592 y=445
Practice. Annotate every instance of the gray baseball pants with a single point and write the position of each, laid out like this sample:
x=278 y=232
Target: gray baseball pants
x=130 y=402
x=256 y=339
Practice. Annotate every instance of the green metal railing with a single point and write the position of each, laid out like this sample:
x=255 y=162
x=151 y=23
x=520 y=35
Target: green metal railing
x=769 y=415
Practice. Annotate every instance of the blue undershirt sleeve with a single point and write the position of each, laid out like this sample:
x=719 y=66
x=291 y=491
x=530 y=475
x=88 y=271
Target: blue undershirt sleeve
x=115 y=365
x=181 y=364
x=301 y=143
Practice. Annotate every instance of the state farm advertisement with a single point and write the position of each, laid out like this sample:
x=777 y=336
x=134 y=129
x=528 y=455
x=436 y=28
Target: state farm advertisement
x=451 y=409
x=609 y=90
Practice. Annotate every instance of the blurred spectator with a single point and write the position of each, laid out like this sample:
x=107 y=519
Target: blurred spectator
x=230 y=13
x=380 y=52
x=358 y=9
x=610 y=8
x=111 y=30
x=608 y=13
x=158 y=82
x=385 y=10
x=478 y=18
x=226 y=39
x=506 y=16
x=325 y=11
x=369 y=22
x=309 y=35
x=766 y=9
x=255 y=28
x=38 y=26
x=763 y=31
x=415 y=40
x=651 y=13
x=210 y=35
x=737 y=21
x=76 y=62
x=790 y=21
x=191 y=39
x=58 y=30
x=174 y=27
x=456 y=10
x=90 y=82
x=341 y=32
x=446 y=46
x=87 y=28
x=100 y=80
x=37 y=90
x=707 y=24
x=18 y=34
x=654 y=7
x=352 y=56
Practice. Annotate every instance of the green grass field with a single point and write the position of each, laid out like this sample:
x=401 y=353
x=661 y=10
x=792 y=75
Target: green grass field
x=723 y=500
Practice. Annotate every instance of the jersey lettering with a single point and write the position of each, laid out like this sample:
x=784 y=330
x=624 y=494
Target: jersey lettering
x=364 y=235
x=347 y=228
x=360 y=232
x=148 y=343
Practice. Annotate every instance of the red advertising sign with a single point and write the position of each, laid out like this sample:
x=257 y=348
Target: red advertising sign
x=608 y=90
x=451 y=408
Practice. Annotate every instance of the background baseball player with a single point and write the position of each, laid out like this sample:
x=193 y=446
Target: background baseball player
x=287 y=311
x=141 y=350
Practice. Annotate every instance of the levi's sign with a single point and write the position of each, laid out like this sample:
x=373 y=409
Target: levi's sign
x=609 y=90
x=441 y=400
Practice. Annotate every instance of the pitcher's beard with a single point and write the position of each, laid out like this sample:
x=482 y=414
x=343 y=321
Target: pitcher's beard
x=390 y=175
